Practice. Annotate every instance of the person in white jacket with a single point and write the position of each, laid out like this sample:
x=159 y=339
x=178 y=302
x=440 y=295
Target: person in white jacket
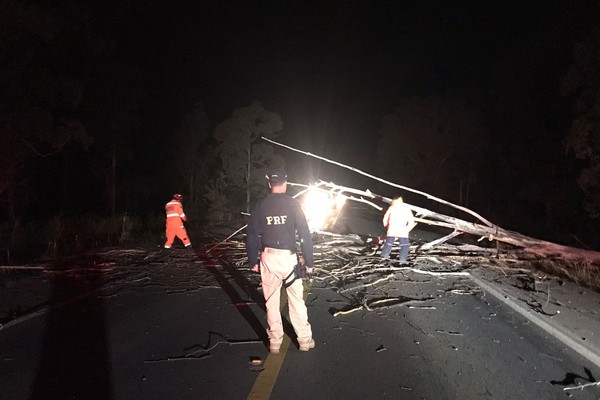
x=399 y=221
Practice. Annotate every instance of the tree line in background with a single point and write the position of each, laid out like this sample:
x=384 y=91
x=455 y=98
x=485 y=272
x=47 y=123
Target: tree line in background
x=79 y=168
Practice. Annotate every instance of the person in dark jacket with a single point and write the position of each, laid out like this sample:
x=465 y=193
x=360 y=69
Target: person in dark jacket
x=272 y=240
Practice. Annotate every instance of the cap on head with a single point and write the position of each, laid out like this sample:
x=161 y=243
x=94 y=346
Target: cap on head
x=277 y=176
x=397 y=200
x=177 y=197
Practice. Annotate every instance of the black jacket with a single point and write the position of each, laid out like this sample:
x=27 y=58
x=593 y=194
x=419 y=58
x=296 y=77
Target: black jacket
x=274 y=223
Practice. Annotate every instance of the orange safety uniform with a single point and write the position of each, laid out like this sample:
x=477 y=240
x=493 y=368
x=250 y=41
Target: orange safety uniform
x=175 y=216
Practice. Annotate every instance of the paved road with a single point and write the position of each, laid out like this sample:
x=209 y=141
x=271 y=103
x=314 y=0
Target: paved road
x=145 y=337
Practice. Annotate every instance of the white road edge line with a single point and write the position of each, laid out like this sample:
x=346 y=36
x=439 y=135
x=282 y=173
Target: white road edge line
x=560 y=334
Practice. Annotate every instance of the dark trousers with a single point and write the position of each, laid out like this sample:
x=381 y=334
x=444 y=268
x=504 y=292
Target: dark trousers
x=389 y=243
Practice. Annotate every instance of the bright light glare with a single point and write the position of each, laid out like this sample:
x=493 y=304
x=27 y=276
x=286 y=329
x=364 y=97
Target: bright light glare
x=340 y=200
x=321 y=207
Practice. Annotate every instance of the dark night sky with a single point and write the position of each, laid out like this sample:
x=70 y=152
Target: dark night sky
x=332 y=69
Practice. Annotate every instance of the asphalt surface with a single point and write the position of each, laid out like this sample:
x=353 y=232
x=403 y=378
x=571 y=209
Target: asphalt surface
x=185 y=330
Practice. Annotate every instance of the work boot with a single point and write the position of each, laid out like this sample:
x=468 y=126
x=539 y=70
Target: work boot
x=306 y=346
x=274 y=348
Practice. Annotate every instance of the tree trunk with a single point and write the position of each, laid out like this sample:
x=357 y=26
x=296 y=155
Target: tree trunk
x=530 y=245
x=113 y=178
x=248 y=165
x=192 y=194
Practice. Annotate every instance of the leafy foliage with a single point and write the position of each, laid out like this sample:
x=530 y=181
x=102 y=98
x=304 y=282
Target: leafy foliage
x=432 y=144
x=37 y=104
x=582 y=82
x=216 y=197
x=243 y=155
x=195 y=155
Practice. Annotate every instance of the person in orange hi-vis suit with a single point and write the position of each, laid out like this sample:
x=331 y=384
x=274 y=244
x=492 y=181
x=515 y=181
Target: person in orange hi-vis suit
x=175 y=218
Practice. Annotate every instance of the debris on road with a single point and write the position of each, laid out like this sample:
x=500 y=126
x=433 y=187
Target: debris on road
x=380 y=349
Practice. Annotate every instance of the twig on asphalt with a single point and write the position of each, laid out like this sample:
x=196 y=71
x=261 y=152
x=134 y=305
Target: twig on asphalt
x=449 y=332
x=227 y=342
x=226 y=239
x=347 y=311
x=441 y=273
x=369 y=306
x=190 y=356
x=581 y=387
x=169 y=359
x=419 y=329
x=387 y=278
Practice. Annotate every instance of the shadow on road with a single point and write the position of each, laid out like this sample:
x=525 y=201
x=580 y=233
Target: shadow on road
x=572 y=378
x=75 y=358
x=216 y=265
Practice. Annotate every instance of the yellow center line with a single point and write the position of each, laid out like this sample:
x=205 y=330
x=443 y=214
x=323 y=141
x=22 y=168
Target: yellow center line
x=263 y=386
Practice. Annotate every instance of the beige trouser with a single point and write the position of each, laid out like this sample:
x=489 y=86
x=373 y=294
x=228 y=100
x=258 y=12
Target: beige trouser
x=275 y=266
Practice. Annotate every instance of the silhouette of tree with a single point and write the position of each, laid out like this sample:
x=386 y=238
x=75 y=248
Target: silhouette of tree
x=114 y=103
x=38 y=104
x=243 y=155
x=582 y=83
x=432 y=144
x=215 y=196
x=195 y=155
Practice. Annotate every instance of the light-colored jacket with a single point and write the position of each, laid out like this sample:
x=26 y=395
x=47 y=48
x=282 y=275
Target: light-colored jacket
x=399 y=220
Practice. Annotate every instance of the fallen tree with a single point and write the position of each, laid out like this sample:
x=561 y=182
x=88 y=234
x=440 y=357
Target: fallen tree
x=483 y=229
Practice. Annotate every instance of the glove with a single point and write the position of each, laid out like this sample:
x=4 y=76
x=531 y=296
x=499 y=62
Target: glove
x=300 y=271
